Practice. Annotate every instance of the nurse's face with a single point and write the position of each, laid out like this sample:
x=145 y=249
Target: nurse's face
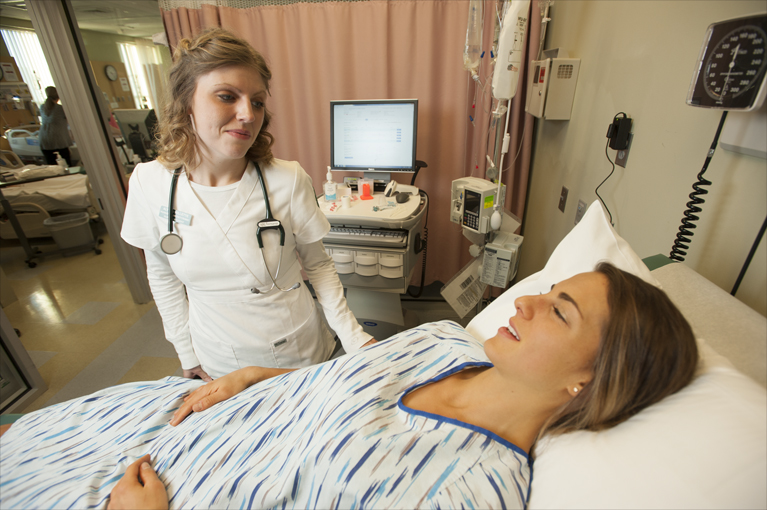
x=227 y=112
x=552 y=341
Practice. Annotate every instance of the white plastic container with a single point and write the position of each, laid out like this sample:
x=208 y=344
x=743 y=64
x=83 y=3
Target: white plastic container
x=70 y=230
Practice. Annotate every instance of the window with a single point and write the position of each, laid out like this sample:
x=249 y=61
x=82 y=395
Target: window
x=25 y=48
x=143 y=64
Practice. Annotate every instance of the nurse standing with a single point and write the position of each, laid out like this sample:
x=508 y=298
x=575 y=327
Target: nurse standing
x=226 y=302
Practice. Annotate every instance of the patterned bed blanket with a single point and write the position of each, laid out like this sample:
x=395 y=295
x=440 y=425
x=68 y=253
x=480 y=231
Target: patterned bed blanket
x=335 y=435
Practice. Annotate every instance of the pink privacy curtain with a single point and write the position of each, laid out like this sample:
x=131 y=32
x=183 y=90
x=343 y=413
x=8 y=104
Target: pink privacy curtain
x=375 y=49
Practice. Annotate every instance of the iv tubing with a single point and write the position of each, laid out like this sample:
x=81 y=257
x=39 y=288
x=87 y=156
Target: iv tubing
x=504 y=150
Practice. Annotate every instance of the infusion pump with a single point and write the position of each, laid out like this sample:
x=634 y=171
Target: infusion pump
x=473 y=201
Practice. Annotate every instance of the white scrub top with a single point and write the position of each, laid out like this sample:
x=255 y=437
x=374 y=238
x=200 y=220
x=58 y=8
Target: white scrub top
x=204 y=292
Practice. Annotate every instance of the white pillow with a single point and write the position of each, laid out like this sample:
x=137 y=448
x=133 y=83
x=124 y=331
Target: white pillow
x=591 y=241
x=704 y=447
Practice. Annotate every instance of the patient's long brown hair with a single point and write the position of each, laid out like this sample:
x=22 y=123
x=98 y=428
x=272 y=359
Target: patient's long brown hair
x=647 y=352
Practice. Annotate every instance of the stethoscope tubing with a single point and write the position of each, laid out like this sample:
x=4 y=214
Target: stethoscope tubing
x=171 y=243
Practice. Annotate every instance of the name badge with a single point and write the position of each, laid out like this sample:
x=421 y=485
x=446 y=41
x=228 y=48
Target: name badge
x=180 y=217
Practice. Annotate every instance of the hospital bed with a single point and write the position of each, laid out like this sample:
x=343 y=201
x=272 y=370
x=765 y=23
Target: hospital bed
x=25 y=142
x=703 y=447
x=36 y=197
x=30 y=195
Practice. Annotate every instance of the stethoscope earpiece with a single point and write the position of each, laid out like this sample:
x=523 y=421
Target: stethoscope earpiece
x=171 y=243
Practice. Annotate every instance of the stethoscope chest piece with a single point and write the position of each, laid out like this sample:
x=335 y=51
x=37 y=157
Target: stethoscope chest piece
x=171 y=243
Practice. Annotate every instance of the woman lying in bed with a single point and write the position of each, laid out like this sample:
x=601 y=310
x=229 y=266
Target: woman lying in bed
x=430 y=418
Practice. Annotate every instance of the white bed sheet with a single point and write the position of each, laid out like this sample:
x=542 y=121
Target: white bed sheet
x=66 y=193
x=732 y=329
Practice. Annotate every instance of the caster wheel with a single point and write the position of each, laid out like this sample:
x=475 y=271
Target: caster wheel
x=101 y=241
x=98 y=252
x=32 y=264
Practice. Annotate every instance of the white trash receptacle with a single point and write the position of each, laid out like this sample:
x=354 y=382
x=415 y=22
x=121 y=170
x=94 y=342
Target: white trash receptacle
x=70 y=230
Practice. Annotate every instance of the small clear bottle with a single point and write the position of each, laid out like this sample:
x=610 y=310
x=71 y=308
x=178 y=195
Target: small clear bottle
x=60 y=161
x=330 y=188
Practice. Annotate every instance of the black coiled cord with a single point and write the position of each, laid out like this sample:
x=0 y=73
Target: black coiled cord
x=683 y=241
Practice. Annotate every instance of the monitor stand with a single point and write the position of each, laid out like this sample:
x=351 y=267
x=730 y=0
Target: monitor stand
x=379 y=313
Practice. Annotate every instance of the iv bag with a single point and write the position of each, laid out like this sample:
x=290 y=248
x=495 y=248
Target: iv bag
x=473 y=48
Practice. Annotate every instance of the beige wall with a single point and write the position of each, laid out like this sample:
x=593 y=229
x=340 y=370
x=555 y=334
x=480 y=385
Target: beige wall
x=638 y=57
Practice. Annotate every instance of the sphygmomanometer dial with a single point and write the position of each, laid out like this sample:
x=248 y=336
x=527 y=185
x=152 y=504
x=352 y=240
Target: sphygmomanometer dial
x=732 y=65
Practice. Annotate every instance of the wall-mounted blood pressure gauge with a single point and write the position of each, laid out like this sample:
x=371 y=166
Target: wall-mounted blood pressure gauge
x=731 y=68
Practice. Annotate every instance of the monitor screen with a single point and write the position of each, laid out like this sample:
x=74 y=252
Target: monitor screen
x=138 y=129
x=377 y=136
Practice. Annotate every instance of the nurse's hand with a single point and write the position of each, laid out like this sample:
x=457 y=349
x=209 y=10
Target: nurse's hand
x=223 y=388
x=195 y=372
x=139 y=488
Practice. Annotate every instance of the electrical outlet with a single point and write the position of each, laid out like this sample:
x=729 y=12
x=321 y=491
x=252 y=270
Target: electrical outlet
x=623 y=155
x=580 y=212
x=563 y=199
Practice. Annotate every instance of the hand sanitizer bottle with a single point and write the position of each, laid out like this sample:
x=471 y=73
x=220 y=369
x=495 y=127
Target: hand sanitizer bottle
x=60 y=161
x=330 y=188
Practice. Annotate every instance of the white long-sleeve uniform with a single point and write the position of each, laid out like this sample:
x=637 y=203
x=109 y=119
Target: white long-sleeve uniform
x=205 y=293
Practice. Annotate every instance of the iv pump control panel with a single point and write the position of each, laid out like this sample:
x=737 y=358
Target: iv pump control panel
x=473 y=200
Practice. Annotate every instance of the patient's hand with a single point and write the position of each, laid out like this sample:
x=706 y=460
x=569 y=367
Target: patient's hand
x=139 y=488
x=222 y=389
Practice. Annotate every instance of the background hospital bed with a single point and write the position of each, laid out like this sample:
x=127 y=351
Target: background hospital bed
x=33 y=202
x=24 y=142
x=30 y=197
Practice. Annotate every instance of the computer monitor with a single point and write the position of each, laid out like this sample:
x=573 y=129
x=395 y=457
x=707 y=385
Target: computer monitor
x=373 y=136
x=138 y=130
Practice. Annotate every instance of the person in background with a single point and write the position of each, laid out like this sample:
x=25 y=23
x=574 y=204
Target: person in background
x=54 y=131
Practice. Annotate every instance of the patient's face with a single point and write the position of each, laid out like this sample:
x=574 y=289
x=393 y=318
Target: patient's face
x=551 y=342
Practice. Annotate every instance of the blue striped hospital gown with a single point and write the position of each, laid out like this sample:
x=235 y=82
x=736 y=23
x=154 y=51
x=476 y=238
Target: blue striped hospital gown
x=334 y=435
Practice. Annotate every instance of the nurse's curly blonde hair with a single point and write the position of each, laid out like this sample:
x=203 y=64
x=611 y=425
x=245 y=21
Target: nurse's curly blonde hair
x=211 y=50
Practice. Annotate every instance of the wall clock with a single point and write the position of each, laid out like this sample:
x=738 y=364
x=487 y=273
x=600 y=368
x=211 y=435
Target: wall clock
x=111 y=72
x=731 y=67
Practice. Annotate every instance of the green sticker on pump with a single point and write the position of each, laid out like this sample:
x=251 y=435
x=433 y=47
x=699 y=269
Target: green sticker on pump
x=489 y=202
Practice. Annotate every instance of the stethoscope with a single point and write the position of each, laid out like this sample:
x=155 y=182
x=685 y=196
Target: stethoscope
x=171 y=242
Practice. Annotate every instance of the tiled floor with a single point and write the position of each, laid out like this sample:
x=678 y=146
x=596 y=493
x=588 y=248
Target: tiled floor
x=80 y=325
x=83 y=331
